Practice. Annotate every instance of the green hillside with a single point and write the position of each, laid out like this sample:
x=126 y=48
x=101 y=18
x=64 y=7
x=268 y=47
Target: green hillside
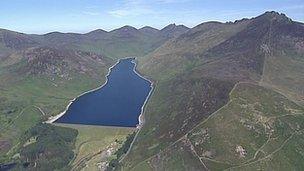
x=40 y=74
x=227 y=96
x=210 y=103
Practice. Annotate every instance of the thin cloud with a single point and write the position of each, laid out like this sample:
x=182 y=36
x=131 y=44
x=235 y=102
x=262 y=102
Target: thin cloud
x=136 y=11
x=91 y=13
x=140 y=7
x=132 y=8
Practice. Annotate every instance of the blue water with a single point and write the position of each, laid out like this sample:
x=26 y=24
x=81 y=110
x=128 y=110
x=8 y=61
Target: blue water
x=117 y=103
x=7 y=167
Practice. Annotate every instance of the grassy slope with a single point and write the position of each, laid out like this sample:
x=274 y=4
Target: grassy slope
x=92 y=141
x=31 y=93
x=265 y=122
x=240 y=57
x=283 y=71
x=186 y=52
x=183 y=97
x=116 y=47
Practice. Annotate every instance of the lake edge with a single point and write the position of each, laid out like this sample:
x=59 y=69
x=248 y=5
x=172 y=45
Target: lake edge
x=140 y=118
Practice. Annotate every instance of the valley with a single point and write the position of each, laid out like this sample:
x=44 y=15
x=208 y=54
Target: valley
x=226 y=96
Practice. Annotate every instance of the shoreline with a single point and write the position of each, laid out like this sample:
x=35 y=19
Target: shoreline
x=141 y=119
x=52 y=119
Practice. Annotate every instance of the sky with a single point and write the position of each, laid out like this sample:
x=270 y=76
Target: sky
x=81 y=16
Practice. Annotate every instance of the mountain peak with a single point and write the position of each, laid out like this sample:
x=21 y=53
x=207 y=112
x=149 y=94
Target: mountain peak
x=53 y=33
x=275 y=16
x=97 y=31
x=170 y=26
x=148 y=30
x=125 y=28
x=125 y=31
x=173 y=30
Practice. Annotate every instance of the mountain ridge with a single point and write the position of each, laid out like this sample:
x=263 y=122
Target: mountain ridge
x=227 y=96
x=220 y=70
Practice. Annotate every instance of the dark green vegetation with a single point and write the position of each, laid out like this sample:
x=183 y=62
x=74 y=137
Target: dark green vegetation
x=95 y=145
x=227 y=95
x=114 y=163
x=47 y=147
x=210 y=106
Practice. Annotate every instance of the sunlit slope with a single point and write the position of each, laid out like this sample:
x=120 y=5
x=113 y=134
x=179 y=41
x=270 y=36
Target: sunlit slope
x=284 y=62
x=257 y=128
x=95 y=145
x=191 y=85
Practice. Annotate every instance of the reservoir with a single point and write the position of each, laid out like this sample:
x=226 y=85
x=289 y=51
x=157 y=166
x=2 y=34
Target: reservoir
x=118 y=103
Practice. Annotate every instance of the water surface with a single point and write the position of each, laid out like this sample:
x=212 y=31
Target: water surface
x=117 y=103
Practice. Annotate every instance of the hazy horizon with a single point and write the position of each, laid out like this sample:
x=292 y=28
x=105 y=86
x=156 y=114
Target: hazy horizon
x=85 y=16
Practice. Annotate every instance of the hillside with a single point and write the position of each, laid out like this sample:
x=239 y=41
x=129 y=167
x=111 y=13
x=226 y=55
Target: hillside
x=118 y=43
x=36 y=83
x=11 y=41
x=227 y=96
x=40 y=74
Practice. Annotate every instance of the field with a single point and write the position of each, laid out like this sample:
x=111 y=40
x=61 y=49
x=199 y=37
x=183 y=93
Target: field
x=95 y=145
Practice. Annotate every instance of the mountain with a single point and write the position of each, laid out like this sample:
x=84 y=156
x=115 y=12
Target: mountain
x=51 y=62
x=173 y=30
x=38 y=81
x=11 y=41
x=118 y=43
x=15 y=40
x=149 y=30
x=96 y=34
x=227 y=96
x=125 y=32
x=41 y=74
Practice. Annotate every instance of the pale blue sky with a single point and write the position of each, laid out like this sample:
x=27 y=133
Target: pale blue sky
x=41 y=16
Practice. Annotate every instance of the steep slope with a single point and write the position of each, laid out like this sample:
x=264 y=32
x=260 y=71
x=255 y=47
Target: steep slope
x=11 y=41
x=186 y=51
x=284 y=63
x=173 y=30
x=193 y=84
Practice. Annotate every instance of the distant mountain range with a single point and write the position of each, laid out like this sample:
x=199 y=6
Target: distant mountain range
x=227 y=96
x=121 y=42
x=56 y=53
